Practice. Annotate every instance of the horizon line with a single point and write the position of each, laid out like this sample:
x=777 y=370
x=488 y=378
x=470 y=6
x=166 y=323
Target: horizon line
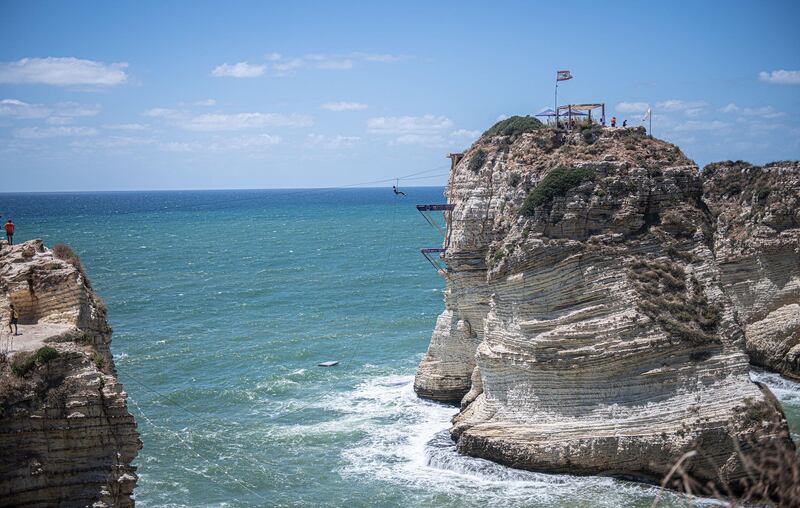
x=343 y=187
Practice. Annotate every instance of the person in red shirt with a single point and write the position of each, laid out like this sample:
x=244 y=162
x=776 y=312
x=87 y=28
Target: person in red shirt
x=10 y=232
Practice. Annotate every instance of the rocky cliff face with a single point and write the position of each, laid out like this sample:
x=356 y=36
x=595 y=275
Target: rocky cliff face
x=66 y=436
x=756 y=213
x=585 y=327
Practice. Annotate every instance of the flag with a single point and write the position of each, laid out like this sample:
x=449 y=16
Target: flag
x=563 y=75
x=646 y=114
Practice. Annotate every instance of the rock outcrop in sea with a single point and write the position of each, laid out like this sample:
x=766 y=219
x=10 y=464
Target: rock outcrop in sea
x=589 y=326
x=66 y=436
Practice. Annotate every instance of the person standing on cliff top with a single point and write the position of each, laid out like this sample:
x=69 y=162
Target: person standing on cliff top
x=613 y=121
x=10 y=232
x=13 y=319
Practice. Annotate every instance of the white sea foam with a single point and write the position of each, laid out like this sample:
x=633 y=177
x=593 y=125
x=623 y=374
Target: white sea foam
x=407 y=443
x=787 y=391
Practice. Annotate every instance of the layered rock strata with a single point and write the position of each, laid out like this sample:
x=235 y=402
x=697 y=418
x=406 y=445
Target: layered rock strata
x=756 y=213
x=66 y=436
x=589 y=334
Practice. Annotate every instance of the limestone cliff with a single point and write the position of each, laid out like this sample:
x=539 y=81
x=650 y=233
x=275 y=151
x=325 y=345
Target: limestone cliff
x=585 y=327
x=756 y=214
x=66 y=436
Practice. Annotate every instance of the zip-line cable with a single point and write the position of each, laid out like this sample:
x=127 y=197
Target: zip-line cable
x=188 y=446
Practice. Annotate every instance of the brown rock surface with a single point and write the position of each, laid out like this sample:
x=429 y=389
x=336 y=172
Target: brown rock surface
x=756 y=211
x=591 y=334
x=66 y=436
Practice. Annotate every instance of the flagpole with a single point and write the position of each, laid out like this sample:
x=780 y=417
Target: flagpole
x=556 y=104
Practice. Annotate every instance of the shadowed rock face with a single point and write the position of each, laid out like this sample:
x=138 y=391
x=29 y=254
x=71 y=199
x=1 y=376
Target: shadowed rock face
x=591 y=334
x=66 y=435
x=756 y=212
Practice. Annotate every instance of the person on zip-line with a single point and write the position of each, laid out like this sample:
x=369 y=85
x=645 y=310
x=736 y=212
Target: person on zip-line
x=398 y=192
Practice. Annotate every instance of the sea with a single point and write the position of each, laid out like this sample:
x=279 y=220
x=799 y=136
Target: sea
x=223 y=304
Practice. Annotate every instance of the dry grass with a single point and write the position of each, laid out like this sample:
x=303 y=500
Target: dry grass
x=682 y=309
x=65 y=252
x=769 y=458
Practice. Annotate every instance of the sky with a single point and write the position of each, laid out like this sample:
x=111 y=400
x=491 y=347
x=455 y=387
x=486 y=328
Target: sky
x=152 y=95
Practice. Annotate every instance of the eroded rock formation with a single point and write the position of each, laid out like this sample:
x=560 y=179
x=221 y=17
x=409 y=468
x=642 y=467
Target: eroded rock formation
x=585 y=327
x=66 y=436
x=756 y=213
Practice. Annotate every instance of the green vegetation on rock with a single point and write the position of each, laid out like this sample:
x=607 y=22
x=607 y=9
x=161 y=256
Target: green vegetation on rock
x=477 y=160
x=557 y=183
x=514 y=126
x=24 y=363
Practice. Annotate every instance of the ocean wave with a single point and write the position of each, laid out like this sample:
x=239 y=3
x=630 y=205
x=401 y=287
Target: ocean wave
x=407 y=443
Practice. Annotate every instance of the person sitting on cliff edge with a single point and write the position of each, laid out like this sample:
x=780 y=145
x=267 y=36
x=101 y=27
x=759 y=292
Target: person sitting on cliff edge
x=13 y=319
x=10 y=232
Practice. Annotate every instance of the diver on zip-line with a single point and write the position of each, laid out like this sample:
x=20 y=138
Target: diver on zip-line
x=394 y=188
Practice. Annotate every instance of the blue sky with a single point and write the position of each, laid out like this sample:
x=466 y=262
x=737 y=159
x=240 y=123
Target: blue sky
x=193 y=95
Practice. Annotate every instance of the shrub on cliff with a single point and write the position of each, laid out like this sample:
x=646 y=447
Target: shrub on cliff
x=477 y=161
x=23 y=363
x=557 y=183
x=65 y=252
x=590 y=133
x=513 y=126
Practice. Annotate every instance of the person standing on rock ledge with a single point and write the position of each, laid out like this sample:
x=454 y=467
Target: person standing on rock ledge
x=10 y=232
x=13 y=319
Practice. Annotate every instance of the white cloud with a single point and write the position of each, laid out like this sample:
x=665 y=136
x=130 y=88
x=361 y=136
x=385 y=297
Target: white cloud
x=284 y=66
x=698 y=125
x=126 y=127
x=502 y=117
x=239 y=70
x=344 y=106
x=206 y=102
x=228 y=122
x=288 y=68
x=256 y=142
x=237 y=121
x=62 y=72
x=53 y=132
x=780 y=77
x=111 y=142
x=375 y=57
x=18 y=109
x=59 y=120
x=680 y=105
x=74 y=109
x=465 y=134
x=162 y=112
x=330 y=62
x=407 y=125
x=240 y=144
x=764 y=112
x=332 y=142
x=60 y=113
x=427 y=130
x=631 y=107
x=731 y=107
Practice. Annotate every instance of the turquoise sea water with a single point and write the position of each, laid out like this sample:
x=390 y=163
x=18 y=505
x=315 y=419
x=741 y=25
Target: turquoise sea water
x=223 y=303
